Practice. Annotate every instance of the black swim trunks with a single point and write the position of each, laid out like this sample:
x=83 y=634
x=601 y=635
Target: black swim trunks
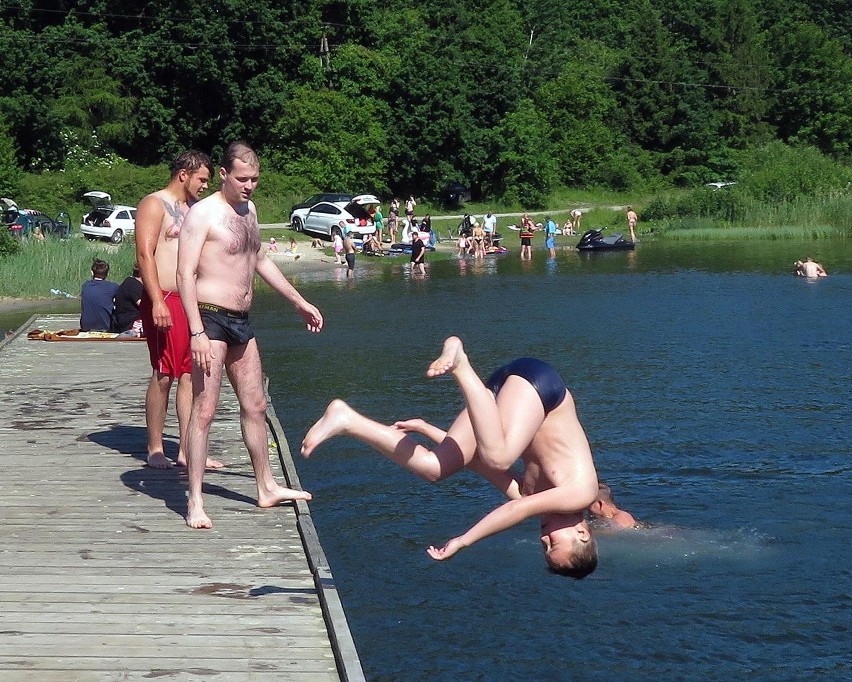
x=220 y=324
x=350 y=260
x=544 y=379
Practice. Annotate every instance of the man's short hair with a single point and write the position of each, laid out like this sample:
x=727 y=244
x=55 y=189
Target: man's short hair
x=100 y=268
x=191 y=161
x=583 y=561
x=239 y=150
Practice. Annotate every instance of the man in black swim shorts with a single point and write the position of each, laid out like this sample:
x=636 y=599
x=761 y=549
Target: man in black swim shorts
x=221 y=324
x=220 y=252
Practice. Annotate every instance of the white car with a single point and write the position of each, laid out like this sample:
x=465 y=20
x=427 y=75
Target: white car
x=107 y=220
x=325 y=217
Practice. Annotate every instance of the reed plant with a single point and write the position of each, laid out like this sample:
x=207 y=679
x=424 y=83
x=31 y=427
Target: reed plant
x=61 y=265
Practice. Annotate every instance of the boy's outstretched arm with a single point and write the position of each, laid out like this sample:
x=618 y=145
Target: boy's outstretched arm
x=507 y=515
x=424 y=428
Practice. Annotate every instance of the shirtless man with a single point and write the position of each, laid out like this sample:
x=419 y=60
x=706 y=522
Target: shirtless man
x=810 y=268
x=349 y=254
x=604 y=507
x=158 y=222
x=632 y=218
x=523 y=411
x=220 y=253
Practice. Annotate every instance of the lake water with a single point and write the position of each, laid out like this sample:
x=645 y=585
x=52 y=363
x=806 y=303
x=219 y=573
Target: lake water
x=714 y=388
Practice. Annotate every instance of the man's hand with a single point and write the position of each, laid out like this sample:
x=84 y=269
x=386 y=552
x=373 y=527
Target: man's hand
x=162 y=316
x=446 y=551
x=311 y=315
x=202 y=352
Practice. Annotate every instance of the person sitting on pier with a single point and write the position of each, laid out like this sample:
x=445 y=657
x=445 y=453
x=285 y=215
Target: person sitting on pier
x=96 y=299
x=523 y=411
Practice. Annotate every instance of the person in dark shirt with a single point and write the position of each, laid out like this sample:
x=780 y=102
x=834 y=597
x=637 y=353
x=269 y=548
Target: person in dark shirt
x=96 y=299
x=126 y=319
x=418 y=253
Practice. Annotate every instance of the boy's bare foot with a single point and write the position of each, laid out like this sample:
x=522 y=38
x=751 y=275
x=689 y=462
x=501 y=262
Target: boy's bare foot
x=452 y=355
x=281 y=494
x=211 y=463
x=196 y=518
x=332 y=423
x=157 y=460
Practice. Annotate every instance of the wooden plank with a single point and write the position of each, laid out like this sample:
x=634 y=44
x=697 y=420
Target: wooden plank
x=102 y=579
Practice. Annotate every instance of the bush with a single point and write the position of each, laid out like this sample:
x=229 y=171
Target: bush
x=778 y=172
x=8 y=244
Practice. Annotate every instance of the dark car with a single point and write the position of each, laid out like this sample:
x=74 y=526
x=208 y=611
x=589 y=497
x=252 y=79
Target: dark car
x=331 y=198
x=23 y=222
x=455 y=193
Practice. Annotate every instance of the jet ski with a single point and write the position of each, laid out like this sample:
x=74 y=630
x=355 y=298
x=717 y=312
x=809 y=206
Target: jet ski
x=593 y=240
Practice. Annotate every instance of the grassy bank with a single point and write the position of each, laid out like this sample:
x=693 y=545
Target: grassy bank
x=64 y=265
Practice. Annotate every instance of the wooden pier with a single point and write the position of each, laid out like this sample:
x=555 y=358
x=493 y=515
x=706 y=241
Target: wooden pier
x=101 y=578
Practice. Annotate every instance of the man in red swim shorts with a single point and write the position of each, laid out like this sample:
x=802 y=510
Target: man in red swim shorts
x=158 y=223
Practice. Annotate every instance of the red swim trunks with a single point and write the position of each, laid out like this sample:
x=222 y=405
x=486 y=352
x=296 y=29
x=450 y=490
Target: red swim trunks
x=169 y=350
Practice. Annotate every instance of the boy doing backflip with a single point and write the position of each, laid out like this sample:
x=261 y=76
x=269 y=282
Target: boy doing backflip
x=523 y=411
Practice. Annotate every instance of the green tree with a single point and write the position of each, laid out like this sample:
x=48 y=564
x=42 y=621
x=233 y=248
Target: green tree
x=10 y=171
x=741 y=72
x=814 y=102
x=330 y=141
x=579 y=106
x=525 y=170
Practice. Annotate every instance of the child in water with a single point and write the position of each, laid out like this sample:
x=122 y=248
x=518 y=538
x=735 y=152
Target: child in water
x=523 y=411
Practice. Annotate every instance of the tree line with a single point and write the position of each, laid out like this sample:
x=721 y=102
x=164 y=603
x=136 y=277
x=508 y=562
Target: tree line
x=510 y=97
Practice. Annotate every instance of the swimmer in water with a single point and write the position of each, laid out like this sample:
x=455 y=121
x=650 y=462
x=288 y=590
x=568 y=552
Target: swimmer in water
x=523 y=411
x=809 y=268
x=604 y=508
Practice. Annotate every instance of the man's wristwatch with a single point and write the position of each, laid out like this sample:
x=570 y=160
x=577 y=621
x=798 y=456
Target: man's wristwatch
x=197 y=334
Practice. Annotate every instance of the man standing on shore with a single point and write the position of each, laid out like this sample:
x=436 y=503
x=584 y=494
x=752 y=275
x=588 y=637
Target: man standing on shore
x=158 y=223
x=220 y=252
x=632 y=219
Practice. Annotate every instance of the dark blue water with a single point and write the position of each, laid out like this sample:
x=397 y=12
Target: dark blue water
x=714 y=387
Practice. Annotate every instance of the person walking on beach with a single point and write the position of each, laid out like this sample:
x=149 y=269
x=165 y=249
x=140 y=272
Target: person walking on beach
x=96 y=299
x=632 y=219
x=410 y=205
x=522 y=412
x=220 y=253
x=159 y=219
x=489 y=224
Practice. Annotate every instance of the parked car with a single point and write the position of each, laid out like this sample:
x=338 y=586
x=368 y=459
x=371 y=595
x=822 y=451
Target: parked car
x=314 y=199
x=107 y=220
x=455 y=193
x=22 y=222
x=324 y=218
